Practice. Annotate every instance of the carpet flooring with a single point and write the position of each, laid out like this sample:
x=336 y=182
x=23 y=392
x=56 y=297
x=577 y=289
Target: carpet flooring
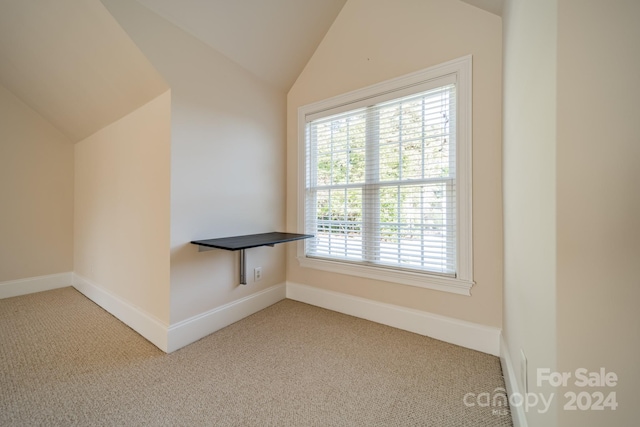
x=65 y=361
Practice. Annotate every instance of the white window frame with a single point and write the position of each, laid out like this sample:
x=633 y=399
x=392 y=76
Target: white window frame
x=461 y=70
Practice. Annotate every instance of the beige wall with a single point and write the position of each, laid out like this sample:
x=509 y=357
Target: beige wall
x=121 y=228
x=375 y=40
x=529 y=185
x=227 y=162
x=599 y=199
x=36 y=193
x=571 y=144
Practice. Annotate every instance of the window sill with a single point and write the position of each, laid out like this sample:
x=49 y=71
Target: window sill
x=421 y=280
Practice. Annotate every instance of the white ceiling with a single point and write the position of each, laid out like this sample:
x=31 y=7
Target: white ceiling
x=273 y=39
x=492 y=6
x=71 y=62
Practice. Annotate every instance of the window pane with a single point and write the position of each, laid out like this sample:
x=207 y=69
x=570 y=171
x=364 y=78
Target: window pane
x=417 y=227
x=384 y=190
x=415 y=135
x=339 y=224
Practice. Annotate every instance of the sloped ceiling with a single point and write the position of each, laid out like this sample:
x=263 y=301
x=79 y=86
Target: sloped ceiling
x=273 y=39
x=491 y=6
x=71 y=62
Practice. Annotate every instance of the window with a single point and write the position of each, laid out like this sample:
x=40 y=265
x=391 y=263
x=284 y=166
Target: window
x=386 y=174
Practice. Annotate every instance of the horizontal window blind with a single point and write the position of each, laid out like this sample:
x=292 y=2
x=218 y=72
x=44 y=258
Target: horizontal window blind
x=381 y=182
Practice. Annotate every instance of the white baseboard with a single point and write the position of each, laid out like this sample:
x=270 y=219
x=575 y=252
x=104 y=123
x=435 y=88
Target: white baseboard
x=511 y=383
x=466 y=334
x=171 y=338
x=137 y=319
x=30 y=285
x=192 y=329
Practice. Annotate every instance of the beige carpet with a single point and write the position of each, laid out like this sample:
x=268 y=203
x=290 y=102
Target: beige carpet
x=65 y=361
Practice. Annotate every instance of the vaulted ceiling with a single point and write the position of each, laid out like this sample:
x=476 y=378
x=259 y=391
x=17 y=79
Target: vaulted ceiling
x=491 y=6
x=274 y=39
x=70 y=61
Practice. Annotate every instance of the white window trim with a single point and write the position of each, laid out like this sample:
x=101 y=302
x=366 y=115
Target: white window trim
x=462 y=283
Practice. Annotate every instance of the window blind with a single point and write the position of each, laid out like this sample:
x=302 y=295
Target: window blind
x=381 y=182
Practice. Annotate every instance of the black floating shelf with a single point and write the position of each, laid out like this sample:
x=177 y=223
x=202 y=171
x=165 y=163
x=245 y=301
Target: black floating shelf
x=240 y=243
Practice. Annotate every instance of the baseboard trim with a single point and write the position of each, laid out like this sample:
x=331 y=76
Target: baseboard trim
x=30 y=285
x=170 y=338
x=466 y=334
x=190 y=330
x=147 y=325
x=511 y=382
